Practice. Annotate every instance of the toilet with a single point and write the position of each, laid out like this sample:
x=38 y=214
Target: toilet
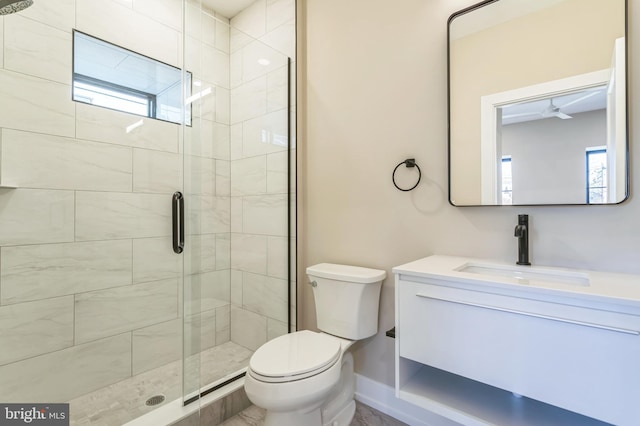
x=306 y=378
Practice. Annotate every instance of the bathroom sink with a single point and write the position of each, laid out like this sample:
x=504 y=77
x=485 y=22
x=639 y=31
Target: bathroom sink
x=526 y=275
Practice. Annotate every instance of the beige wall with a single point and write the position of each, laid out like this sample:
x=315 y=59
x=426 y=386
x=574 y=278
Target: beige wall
x=374 y=81
x=562 y=44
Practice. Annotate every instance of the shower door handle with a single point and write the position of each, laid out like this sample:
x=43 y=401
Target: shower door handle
x=177 y=209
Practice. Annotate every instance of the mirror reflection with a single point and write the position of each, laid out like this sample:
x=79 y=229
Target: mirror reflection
x=537 y=103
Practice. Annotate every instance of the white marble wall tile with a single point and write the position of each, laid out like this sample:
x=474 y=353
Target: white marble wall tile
x=265 y=134
x=200 y=176
x=208 y=139
x=276 y=328
x=249 y=100
x=236 y=137
x=208 y=22
x=277 y=173
x=207 y=291
x=193 y=17
x=192 y=345
x=132 y=31
x=42 y=271
x=249 y=253
x=105 y=125
x=247 y=328
x=154 y=259
x=266 y=215
x=258 y=59
x=29 y=44
x=236 y=214
x=36 y=104
x=36 y=160
x=208 y=329
x=235 y=69
x=199 y=138
x=223 y=331
x=215 y=67
x=223 y=178
x=215 y=290
x=279 y=12
x=156 y=171
x=34 y=216
x=35 y=328
x=236 y=287
x=249 y=176
x=63 y=375
x=222 y=37
x=157 y=345
x=112 y=311
x=238 y=39
x=266 y=296
x=168 y=12
x=200 y=254
x=252 y=20
x=277 y=257
x=278 y=89
x=205 y=106
x=223 y=106
x=283 y=39
x=193 y=49
x=207 y=215
x=223 y=251
x=60 y=13
x=2 y=40
x=112 y=215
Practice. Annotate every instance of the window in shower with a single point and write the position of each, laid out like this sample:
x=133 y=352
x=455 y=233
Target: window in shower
x=112 y=77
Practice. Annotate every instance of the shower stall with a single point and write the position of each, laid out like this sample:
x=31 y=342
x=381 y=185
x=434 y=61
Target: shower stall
x=147 y=199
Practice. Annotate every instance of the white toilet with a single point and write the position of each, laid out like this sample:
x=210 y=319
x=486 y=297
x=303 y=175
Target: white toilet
x=306 y=378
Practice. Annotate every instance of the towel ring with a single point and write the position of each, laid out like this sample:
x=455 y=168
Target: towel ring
x=409 y=162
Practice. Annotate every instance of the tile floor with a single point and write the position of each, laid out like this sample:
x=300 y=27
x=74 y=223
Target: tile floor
x=124 y=401
x=365 y=416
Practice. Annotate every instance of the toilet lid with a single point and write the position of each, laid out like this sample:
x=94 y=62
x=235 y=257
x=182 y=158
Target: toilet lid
x=295 y=354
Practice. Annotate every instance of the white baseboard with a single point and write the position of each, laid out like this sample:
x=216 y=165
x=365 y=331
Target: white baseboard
x=383 y=398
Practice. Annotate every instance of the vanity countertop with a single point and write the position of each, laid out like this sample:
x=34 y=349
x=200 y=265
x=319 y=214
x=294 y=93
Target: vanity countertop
x=621 y=289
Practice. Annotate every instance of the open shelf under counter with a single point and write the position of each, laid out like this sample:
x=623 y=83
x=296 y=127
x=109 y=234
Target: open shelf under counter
x=472 y=403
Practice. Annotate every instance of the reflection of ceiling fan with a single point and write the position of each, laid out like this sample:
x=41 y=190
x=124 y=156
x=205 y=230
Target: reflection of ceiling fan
x=553 y=111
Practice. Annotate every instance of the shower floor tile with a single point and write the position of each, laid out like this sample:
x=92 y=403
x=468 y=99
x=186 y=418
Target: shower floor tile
x=124 y=401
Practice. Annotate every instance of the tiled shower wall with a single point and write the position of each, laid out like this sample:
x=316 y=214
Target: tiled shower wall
x=90 y=290
x=262 y=38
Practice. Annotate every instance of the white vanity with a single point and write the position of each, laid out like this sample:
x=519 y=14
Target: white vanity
x=485 y=343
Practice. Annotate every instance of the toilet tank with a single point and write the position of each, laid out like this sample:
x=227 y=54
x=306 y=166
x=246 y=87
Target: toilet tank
x=347 y=299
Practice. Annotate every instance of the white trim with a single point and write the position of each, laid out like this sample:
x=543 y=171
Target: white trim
x=489 y=104
x=382 y=398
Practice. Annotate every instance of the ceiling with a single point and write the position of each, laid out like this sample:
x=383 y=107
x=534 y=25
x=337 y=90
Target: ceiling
x=227 y=8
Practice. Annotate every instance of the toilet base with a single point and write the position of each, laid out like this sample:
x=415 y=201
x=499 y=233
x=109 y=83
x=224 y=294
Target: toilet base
x=294 y=418
x=344 y=417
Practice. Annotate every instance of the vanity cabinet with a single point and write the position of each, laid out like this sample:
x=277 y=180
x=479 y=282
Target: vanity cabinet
x=544 y=352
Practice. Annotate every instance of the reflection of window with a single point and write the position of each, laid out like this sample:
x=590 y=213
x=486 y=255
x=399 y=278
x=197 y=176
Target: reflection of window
x=109 y=76
x=596 y=175
x=507 y=181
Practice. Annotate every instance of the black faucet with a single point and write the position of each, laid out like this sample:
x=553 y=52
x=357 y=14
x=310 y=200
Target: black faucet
x=522 y=232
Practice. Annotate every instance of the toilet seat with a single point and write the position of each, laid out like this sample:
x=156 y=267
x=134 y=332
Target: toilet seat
x=294 y=356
